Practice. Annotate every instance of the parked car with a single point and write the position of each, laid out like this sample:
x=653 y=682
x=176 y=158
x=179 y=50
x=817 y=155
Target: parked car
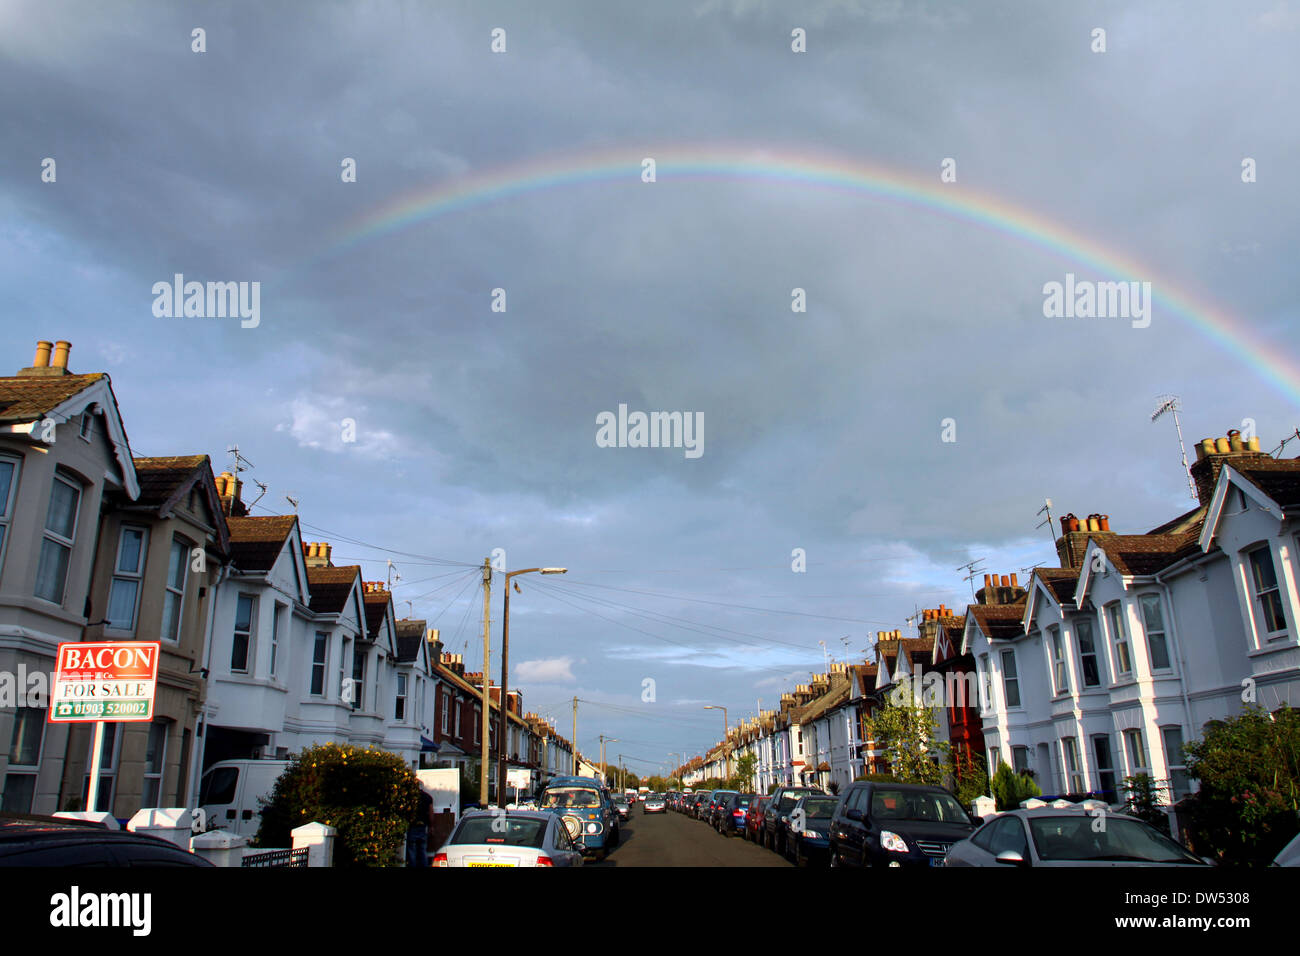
x=696 y=807
x=587 y=811
x=520 y=838
x=807 y=834
x=777 y=815
x=624 y=810
x=732 y=814
x=717 y=800
x=1048 y=836
x=754 y=818
x=29 y=840
x=895 y=824
x=653 y=804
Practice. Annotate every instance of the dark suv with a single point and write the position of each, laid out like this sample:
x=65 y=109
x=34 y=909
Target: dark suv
x=699 y=801
x=732 y=814
x=713 y=809
x=776 y=817
x=896 y=824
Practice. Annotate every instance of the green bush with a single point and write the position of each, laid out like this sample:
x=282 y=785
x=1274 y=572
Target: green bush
x=369 y=796
x=970 y=780
x=878 y=777
x=1011 y=788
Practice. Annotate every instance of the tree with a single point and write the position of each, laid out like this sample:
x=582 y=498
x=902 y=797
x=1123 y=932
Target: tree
x=1144 y=801
x=904 y=729
x=970 y=779
x=1010 y=789
x=1249 y=799
x=745 y=767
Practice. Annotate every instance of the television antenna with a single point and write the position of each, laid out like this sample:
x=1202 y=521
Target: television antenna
x=293 y=501
x=1171 y=405
x=1047 y=507
x=971 y=570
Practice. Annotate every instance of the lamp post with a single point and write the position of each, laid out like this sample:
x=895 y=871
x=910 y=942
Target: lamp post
x=726 y=731
x=603 y=769
x=503 y=741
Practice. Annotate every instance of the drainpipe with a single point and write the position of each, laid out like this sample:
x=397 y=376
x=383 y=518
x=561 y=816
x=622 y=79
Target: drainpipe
x=222 y=575
x=1182 y=663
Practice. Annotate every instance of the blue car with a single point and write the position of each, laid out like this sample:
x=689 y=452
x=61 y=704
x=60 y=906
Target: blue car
x=587 y=811
x=808 y=830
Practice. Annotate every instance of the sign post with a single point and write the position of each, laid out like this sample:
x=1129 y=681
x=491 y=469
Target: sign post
x=100 y=681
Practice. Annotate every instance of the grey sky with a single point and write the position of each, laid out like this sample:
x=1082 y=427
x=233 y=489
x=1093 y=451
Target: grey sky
x=476 y=430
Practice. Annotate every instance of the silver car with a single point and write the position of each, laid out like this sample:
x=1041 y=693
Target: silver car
x=1068 y=836
x=509 y=838
x=654 y=804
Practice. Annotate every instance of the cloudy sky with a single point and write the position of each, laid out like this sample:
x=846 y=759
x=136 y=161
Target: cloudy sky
x=476 y=429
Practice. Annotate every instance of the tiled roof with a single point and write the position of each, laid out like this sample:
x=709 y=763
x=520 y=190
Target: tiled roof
x=255 y=543
x=1060 y=581
x=1140 y=554
x=410 y=635
x=1183 y=523
x=836 y=694
x=1279 y=479
x=24 y=399
x=160 y=478
x=330 y=587
x=999 y=622
x=376 y=604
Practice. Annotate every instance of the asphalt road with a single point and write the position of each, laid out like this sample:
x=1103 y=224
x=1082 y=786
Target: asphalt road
x=673 y=839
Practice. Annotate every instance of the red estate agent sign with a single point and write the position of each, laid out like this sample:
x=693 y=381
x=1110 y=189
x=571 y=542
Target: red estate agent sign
x=105 y=680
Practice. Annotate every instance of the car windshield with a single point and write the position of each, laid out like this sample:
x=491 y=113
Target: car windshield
x=819 y=807
x=788 y=800
x=1076 y=838
x=890 y=804
x=744 y=800
x=571 y=797
x=497 y=831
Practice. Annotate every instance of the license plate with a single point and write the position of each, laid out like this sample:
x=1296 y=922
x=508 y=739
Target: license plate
x=489 y=864
x=936 y=861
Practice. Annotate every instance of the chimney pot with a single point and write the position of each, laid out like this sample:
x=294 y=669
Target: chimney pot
x=61 y=350
x=42 y=359
x=1253 y=444
x=988 y=580
x=1222 y=446
x=1103 y=522
x=1006 y=583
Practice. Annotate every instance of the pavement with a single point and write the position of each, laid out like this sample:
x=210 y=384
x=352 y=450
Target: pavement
x=673 y=839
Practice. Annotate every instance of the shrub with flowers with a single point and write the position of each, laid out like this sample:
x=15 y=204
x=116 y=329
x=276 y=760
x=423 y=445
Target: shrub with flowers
x=370 y=796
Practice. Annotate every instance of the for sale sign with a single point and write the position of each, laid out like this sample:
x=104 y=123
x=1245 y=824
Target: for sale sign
x=105 y=680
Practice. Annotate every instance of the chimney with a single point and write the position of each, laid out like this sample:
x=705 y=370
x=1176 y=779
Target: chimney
x=319 y=557
x=229 y=488
x=42 y=367
x=1212 y=453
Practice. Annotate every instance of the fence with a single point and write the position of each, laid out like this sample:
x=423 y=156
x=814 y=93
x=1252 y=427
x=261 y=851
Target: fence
x=277 y=858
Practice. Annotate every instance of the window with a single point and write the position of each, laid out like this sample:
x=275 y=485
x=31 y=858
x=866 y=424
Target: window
x=1059 y=674
x=986 y=671
x=24 y=760
x=1115 y=616
x=358 y=677
x=1154 y=622
x=319 y=663
x=1179 y=782
x=1087 y=653
x=446 y=711
x=128 y=569
x=174 y=598
x=107 y=768
x=275 y=635
x=56 y=544
x=1020 y=759
x=1007 y=835
x=1137 y=753
x=1266 y=591
x=87 y=424
x=995 y=759
x=478 y=725
x=8 y=472
x=1070 y=747
x=399 y=706
x=345 y=689
x=1105 y=764
x=245 y=612
x=458 y=710
x=1010 y=682
x=155 y=758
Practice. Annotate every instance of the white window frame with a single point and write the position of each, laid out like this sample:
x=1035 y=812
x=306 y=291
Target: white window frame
x=156 y=775
x=344 y=663
x=986 y=681
x=32 y=770
x=1075 y=779
x=1114 y=613
x=250 y=634
x=6 y=503
x=1175 y=763
x=1132 y=735
x=1060 y=670
x=359 y=660
x=320 y=639
x=446 y=713
x=171 y=593
x=1151 y=599
x=86 y=427
x=51 y=537
x=1257 y=594
x=399 y=698
x=1007 y=681
x=277 y=609
x=1085 y=622
x=126 y=577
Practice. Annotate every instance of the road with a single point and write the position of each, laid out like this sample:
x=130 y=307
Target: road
x=672 y=839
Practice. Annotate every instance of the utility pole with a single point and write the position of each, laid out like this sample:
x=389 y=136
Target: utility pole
x=485 y=758
x=575 y=736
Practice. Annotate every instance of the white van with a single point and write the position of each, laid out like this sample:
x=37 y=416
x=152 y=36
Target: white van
x=230 y=790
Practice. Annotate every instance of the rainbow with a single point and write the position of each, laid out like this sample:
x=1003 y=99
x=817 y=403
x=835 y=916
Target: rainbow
x=800 y=168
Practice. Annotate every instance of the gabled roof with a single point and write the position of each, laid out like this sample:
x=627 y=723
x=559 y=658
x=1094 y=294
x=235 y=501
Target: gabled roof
x=837 y=693
x=997 y=622
x=26 y=400
x=1273 y=484
x=165 y=481
x=1136 y=555
x=330 y=587
x=410 y=639
x=256 y=543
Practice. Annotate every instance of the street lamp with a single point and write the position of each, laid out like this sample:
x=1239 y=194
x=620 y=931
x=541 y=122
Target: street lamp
x=603 y=769
x=503 y=741
x=726 y=731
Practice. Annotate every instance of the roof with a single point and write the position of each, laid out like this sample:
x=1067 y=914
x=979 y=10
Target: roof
x=836 y=694
x=161 y=478
x=330 y=587
x=1060 y=581
x=1184 y=522
x=999 y=622
x=256 y=543
x=410 y=635
x=376 y=604
x=1141 y=554
x=1279 y=479
x=24 y=399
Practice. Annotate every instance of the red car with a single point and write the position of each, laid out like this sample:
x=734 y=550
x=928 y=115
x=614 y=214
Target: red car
x=754 y=819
